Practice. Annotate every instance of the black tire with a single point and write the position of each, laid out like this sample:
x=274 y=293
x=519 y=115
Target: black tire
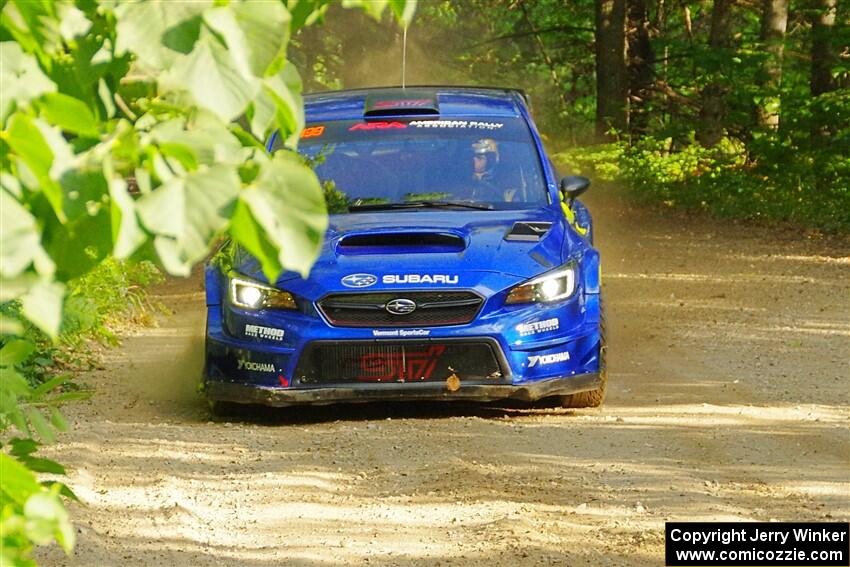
x=593 y=398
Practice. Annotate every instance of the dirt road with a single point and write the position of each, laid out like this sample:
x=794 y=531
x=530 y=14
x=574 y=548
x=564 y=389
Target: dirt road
x=729 y=399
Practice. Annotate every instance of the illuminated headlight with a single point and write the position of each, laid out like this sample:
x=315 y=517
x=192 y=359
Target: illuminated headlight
x=248 y=294
x=553 y=286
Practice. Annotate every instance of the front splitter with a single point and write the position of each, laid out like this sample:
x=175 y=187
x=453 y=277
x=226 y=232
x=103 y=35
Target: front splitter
x=281 y=397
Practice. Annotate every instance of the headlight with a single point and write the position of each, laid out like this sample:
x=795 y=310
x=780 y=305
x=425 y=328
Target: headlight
x=248 y=294
x=549 y=287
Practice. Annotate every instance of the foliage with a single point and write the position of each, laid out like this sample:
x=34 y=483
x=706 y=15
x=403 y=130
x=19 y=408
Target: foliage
x=99 y=92
x=29 y=364
x=722 y=181
x=30 y=512
x=113 y=291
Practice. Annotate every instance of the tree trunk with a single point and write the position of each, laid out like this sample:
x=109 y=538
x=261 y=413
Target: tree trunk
x=774 y=20
x=641 y=67
x=823 y=57
x=611 y=110
x=713 y=96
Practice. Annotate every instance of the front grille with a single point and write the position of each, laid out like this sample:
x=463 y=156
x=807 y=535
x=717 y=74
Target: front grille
x=410 y=361
x=433 y=309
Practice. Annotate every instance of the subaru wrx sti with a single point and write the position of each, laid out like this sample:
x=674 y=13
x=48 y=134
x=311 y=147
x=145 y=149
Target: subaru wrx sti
x=461 y=267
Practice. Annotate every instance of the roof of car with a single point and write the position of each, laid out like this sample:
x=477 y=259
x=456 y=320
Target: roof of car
x=453 y=101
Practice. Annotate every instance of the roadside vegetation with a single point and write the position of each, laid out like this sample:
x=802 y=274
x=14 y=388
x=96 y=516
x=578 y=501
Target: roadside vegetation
x=108 y=298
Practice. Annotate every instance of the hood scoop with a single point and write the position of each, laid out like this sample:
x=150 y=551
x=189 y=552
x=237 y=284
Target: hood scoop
x=528 y=231
x=400 y=243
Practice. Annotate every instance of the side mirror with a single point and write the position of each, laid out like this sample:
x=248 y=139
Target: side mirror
x=574 y=185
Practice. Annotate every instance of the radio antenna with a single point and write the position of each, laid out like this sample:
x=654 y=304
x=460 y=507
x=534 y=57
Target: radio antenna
x=404 y=57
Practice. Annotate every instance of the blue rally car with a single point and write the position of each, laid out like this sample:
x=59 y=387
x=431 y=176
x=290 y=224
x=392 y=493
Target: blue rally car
x=460 y=267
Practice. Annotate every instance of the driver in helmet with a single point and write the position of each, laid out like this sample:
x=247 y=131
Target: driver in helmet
x=485 y=159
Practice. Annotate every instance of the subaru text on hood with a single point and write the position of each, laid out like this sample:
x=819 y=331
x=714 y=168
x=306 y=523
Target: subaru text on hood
x=460 y=266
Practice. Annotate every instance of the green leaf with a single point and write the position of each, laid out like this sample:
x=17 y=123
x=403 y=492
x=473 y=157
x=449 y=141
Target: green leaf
x=22 y=447
x=42 y=465
x=79 y=246
x=70 y=114
x=206 y=135
x=251 y=236
x=44 y=152
x=372 y=7
x=72 y=22
x=287 y=202
x=21 y=77
x=14 y=383
x=280 y=100
x=57 y=420
x=29 y=144
x=210 y=75
x=63 y=489
x=40 y=424
x=105 y=96
x=306 y=12
x=158 y=32
x=47 y=519
x=82 y=188
x=186 y=212
x=46 y=387
x=403 y=10
x=42 y=305
x=71 y=396
x=16 y=482
x=16 y=351
x=256 y=33
x=20 y=237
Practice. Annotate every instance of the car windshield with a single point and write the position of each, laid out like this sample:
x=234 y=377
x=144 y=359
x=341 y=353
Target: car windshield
x=491 y=163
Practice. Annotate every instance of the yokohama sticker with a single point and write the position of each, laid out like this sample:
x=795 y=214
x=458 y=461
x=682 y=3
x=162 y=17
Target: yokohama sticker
x=526 y=329
x=544 y=359
x=260 y=332
x=255 y=366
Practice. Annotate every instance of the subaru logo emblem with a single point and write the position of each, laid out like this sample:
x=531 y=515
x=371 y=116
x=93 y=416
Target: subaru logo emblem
x=401 y=306
x=359 y=280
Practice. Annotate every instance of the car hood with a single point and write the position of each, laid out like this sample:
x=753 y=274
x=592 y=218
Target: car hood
x=431 y=248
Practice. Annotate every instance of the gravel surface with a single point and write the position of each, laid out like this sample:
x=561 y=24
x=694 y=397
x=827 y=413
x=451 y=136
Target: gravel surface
x=729 y=399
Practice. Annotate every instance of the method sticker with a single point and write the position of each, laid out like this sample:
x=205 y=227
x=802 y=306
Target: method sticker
x=526 y=329
x=260 y=332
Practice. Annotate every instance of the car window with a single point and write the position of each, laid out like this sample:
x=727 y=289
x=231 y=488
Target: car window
x=492 y=161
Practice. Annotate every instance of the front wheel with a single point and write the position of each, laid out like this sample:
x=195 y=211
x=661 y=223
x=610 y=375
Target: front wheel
x=593 y=398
